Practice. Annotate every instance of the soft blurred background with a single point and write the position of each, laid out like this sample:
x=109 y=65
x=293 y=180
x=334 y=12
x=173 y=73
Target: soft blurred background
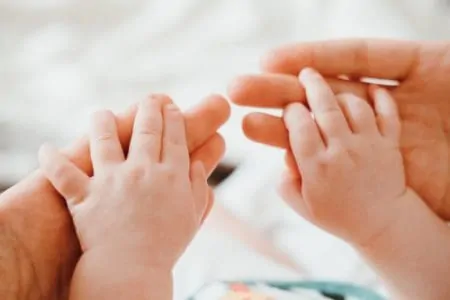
x=62 y=59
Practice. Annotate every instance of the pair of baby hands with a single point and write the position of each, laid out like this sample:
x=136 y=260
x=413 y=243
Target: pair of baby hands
x=137 y=214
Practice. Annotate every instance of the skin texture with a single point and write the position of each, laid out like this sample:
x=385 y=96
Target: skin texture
x=139 y=212
x=422 y=93
x=351 y=169
x=39 y=246
x=352 y=184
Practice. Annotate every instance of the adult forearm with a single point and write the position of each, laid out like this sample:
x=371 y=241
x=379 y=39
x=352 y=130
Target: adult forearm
x=16 y=272
x=412 y=255
x=38 y=246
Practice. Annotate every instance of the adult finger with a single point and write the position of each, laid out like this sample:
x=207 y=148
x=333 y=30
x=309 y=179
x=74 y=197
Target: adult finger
x=210 y=153
x=266 y=129
x=278 y=90
x=67 y=179
x=203 y=120
x=375 y=58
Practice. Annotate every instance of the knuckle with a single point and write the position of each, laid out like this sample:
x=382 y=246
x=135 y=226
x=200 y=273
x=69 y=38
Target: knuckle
x=337 y=151
x=322 y=167
x=179 y=142
x=104 y=137
x=59 y=171
x=149 y=127
x=329 y=112
x=136 y=173
x=169 y=173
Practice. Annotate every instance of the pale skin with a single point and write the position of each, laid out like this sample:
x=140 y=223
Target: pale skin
x=138 y=212
x=39 y=245
x=422 y=96
x=352 y=184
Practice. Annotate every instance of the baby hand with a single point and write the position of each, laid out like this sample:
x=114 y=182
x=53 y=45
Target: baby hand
x=147 y=205
x=350 y=165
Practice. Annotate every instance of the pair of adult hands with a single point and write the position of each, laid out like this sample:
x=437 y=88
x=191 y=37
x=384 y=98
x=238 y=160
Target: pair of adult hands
x=39 y=248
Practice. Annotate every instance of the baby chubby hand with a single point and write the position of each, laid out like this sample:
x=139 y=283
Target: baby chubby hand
x=146 y=205
x=348 y=157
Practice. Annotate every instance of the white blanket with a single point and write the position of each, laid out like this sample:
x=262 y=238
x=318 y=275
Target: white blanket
x=60 y=59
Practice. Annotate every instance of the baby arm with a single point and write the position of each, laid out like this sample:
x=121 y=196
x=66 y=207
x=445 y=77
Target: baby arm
x=137 y=214
x=412 y=254
x=351 y=182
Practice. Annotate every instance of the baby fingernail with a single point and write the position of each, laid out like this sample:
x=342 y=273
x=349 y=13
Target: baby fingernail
x=307 y=72
x=45 y=150
x=171 y=107
x=292 y=106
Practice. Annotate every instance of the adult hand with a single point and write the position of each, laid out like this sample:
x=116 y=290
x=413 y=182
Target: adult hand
x=422 y=70
x=38 y=245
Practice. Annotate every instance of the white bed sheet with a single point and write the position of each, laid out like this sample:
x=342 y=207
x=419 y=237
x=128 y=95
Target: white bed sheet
x=62 y=59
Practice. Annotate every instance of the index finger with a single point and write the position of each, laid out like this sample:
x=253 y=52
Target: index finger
x=376 y=58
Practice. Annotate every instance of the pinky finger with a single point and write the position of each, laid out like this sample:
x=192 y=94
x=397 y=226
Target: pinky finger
x=291 y=164
x=209 y=205
x=65 y=177
x=199 y=189
x=388 y=119
x=290 y=190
